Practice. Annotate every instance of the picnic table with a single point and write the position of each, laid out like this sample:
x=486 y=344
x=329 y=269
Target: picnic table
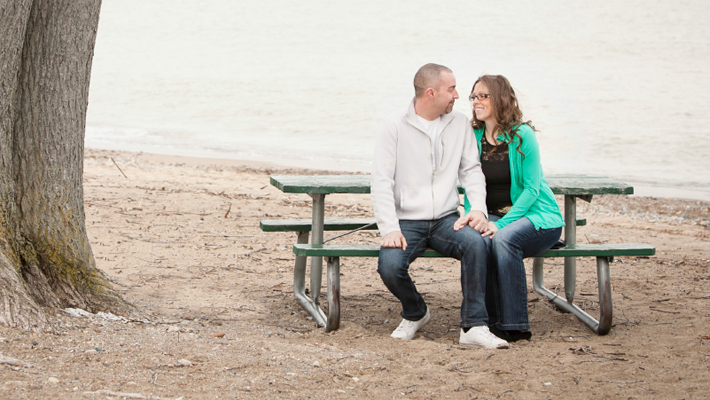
x=572 y=186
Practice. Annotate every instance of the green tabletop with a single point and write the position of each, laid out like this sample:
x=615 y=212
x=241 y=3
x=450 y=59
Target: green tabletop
x=322 y=184
x=566 y=184
x=580 y=185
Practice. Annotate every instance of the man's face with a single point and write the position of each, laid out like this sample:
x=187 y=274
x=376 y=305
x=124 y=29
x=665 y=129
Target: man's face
x=446 y=94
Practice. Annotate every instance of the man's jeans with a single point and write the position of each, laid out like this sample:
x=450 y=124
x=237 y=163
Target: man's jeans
x=465 y=244
x=507 y=294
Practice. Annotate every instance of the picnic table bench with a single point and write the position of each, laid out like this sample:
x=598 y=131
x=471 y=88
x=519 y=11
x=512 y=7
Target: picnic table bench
x=571 y=186
x=604 y=253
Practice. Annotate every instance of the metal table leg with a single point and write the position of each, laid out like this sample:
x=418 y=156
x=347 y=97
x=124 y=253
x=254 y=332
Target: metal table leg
x=605 y=308
x=570 y=238
x=310 y=304
x=601 y=327
x=299 y=285
x=317 y=238
x=333 y=291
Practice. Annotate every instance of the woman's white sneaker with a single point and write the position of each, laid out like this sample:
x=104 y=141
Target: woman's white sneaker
x=481 y=336
x=407 y=329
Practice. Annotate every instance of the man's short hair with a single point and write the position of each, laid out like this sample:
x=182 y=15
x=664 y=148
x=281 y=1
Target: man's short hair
x=428 y=76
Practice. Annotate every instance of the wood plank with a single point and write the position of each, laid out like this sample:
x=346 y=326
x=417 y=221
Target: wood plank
x=331 y=224
x=579 y=184
x=607 y=250
x=563 y=184
x=304 y=225
x=576 y=250
x=322 y=184
x=347 y=250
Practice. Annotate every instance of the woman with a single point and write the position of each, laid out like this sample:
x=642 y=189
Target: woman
x=524 y=219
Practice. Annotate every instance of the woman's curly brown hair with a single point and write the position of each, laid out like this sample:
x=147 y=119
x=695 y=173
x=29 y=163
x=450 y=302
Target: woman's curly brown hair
x=505 y=108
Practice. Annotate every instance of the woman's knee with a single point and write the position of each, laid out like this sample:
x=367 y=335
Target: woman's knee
x=505 y=236
x=503 y=243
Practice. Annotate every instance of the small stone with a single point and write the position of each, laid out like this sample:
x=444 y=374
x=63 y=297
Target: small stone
x=316 y=364
x=184 y=363
x=53 y=380
x=77 y=312
x=91 y=351
x=547 y=384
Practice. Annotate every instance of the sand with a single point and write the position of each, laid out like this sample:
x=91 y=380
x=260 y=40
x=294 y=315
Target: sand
x=179 y=238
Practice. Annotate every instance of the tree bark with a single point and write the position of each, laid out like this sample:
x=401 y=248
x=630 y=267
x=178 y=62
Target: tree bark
x=45 y=256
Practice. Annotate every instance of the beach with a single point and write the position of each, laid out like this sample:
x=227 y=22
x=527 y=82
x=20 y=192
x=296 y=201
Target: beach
x=179 y=238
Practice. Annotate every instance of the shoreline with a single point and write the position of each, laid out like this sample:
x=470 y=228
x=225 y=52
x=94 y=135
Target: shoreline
x=640 y=190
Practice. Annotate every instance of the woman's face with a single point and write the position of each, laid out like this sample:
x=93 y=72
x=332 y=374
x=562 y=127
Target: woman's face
x=482 y=106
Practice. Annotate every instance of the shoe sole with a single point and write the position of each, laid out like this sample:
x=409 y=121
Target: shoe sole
x=499 y=347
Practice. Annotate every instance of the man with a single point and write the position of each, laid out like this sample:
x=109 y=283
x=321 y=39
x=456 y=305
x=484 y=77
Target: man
x=419 y=154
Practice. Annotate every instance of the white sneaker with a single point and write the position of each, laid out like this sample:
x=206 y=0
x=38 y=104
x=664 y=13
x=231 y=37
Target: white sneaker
x=407 y=329
x=481 y=336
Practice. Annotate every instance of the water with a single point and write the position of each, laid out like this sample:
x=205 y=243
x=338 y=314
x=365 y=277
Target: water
x=615 y=88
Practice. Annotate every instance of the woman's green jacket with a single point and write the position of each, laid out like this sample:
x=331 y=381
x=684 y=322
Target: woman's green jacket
x=529 y=192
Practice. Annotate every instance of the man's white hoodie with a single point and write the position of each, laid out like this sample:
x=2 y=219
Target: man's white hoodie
x=406 y=183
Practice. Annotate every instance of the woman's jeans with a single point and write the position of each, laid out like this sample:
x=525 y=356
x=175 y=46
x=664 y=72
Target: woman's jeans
x=507 y=294
x=466 y=245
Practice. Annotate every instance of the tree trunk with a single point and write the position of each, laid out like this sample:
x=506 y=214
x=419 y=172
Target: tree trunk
x=45 y=256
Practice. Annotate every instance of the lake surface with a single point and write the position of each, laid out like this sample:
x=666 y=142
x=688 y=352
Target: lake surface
x=614 y=88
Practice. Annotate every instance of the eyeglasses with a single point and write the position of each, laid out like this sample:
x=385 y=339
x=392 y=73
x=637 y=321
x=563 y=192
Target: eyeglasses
x=479 y=97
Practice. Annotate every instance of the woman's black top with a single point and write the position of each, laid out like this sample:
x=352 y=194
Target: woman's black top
x=496 y=167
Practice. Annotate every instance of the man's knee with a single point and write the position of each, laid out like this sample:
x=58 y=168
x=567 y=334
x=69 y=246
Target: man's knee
x=474 y=241
x=391 y=264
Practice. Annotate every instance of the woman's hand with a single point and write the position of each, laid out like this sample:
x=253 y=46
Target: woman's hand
x=490 y=230
x=475 y=219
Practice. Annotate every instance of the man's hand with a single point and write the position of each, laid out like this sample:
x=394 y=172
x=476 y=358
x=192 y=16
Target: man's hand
x=394 y=239
x=475 y=219
x=492 y=229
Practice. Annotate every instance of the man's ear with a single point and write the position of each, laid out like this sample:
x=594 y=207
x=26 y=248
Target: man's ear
x=429 y=93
